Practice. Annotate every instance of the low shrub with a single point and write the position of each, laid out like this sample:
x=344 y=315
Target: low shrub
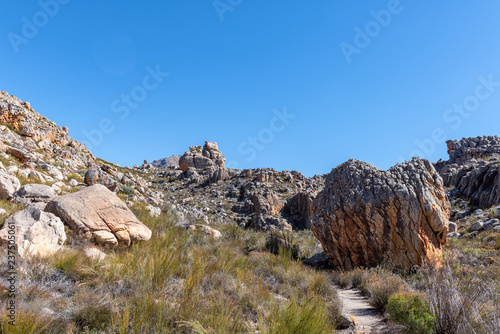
x=411 y=312
x=127 y=190
x=381 y=288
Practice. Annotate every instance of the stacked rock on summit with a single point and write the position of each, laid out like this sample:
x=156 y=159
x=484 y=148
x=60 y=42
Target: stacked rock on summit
x=366 y=216
x=201 y=157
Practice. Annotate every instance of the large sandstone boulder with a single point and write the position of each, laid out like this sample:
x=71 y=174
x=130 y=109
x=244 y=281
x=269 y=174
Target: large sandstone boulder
x=366 y=216
x=37 y=233
x=100 y=215
x=8 y=186
x=202 y=157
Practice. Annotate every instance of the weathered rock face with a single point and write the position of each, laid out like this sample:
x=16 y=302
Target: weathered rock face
x=480 y=184
x=473 y=148
x=38 y=233
x=34 y=193
x=477 y=180
x=202 y=157
x=365 y=215
x=8 y=186
x=266 y=202
x=99 y=214
x=299 y=209
x=97 y=176
x=40 y=133
x=216 y=174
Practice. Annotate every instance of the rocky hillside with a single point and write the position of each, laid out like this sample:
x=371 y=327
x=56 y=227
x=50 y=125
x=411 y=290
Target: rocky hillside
x=203 y=189
x=185 y=242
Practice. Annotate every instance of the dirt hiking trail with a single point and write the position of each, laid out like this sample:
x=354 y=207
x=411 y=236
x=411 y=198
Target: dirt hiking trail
x=364 y=315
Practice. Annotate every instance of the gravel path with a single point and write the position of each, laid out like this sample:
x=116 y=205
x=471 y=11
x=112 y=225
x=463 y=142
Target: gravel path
x=357 y=306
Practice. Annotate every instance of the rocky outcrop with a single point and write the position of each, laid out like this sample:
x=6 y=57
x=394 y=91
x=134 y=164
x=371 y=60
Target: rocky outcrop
x=40 y=135
x=481 y=184
x=473 y=169
x=202 y=157
x=216 y=174
x=99 y=215
x=37 y=233
x=366 y=216
x=473 y=148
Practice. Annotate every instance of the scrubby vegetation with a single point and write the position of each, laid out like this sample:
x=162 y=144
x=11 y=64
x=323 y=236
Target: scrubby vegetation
x=180 y=281
x=463 y=296
x=410 y=311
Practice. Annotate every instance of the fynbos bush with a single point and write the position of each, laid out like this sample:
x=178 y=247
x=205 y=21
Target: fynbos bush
x=412 y=312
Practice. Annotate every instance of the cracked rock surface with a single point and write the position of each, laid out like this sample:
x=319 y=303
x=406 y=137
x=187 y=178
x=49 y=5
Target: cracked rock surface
x=99 y=215
x=366 y=216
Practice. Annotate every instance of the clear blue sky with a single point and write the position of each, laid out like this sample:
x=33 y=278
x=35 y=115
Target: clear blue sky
x=370 y=80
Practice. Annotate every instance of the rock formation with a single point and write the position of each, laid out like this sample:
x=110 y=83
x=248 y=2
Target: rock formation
x=8 y=186
x=42 y=134
x=202 y=157
x=99 y=214
x=299 y=209
x=97 y=176
x=474 y=169
x=34 y=193
x=37 y=233
x=365 y=215
x=473 y=148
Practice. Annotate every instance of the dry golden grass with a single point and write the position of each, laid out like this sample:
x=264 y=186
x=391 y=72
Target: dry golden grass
x=184 y=282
